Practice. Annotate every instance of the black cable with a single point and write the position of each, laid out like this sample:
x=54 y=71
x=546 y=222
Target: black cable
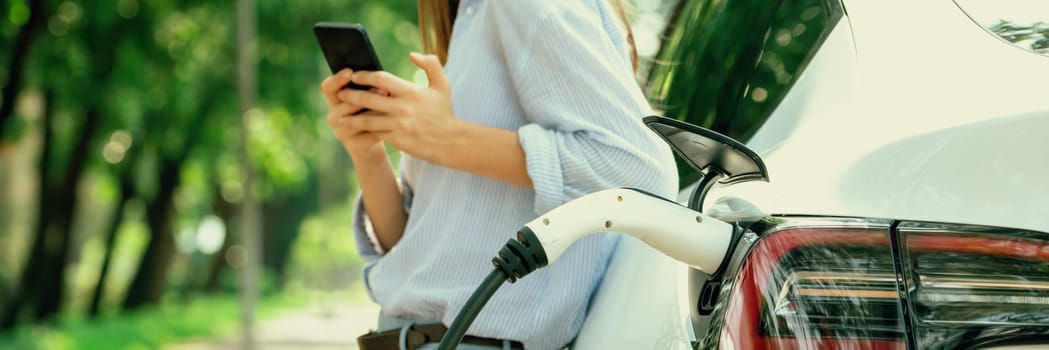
x=473 y=306
x=518 y=258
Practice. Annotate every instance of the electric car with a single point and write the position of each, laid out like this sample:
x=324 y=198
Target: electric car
x=903 y=198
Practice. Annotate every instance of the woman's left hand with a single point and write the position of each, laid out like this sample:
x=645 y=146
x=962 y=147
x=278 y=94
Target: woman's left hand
x=413 y=119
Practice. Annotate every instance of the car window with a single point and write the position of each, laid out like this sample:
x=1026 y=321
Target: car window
x=726 y=65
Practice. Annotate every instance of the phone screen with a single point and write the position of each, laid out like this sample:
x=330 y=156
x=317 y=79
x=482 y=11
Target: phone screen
x=346 y=46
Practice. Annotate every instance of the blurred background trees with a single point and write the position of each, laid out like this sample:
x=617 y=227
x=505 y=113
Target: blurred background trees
x=118 y=172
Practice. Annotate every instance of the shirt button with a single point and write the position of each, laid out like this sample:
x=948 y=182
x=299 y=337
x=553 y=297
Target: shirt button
x=469 y=10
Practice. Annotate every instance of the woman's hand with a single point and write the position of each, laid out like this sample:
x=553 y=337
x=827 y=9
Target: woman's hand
x=414 y=119
x=419 y=121
x=381 y=193
x=357 y=142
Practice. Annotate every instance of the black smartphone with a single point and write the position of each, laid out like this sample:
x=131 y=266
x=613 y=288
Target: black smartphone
x=346 y=45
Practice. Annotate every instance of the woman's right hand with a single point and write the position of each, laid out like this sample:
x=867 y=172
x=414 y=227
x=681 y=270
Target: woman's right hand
x=358 y=143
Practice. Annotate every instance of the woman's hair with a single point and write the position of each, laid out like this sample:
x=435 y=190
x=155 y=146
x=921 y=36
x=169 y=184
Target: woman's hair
x=437 y=16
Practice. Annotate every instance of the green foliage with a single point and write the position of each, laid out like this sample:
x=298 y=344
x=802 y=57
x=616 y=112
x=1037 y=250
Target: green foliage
x=149 y=328
x=267 y=284
x=17 y=13
x=725 y=65
x=14 y=129
x=324 y=256
x=132 y=237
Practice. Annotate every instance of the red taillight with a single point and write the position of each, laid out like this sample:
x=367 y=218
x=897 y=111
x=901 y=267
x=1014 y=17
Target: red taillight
x=946 y=286
x=816 y=289
x=976 y=287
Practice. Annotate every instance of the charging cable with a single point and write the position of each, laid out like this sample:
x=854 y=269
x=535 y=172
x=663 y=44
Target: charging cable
x=679 y=232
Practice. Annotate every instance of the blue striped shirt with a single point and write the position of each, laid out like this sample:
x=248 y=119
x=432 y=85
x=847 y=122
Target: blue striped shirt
x=559 y=73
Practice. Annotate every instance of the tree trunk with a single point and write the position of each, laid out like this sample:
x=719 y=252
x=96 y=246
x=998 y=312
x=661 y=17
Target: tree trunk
x=59 y=236
x=151 y=276
x=64 y=198
x=26 y=291
x=250 y=232
x=281 y=220
x=126 y=193
x=148 y=285
x=44 y=273
x=15 y=67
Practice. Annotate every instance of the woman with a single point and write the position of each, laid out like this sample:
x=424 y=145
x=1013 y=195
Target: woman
x=536 y=104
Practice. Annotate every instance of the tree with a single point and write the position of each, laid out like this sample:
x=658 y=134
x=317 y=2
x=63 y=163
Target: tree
x=160 y=73
x=16 y=63
x=127 y=192
x=23 y=296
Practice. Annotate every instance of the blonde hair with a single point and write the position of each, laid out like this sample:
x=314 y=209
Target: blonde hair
x=437 y=16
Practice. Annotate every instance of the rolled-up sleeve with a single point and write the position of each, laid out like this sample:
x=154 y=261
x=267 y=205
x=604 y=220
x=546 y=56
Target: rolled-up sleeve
x=584 y=108
x=367 y=245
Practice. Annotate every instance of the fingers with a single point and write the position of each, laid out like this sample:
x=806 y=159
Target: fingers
x=380 y=91
x=371 y=100
x=341 y=110
x=333 y=83
x=384 y=81
x=369 y=122
x=348 y=126
x=434 y=72
x=345 y=116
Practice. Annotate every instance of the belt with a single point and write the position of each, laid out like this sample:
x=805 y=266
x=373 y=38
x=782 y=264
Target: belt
x=414 y=336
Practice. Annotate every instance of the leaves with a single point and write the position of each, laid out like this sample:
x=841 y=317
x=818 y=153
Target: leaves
x=726 y=65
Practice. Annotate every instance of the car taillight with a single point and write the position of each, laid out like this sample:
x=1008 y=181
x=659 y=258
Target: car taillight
x=855 y=287
x=816 y=288
x=975 y=286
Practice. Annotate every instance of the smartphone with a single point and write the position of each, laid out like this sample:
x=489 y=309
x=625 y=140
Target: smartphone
x=346 y=45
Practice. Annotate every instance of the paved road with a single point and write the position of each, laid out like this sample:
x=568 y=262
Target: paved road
x=331 y=326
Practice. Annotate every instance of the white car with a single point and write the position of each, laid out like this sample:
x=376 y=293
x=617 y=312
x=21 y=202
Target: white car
x=907 y=201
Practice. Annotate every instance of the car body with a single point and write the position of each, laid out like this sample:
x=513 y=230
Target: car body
x=908 y=203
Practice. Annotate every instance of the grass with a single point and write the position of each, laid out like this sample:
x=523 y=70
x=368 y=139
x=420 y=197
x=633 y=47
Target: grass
x=149 y=328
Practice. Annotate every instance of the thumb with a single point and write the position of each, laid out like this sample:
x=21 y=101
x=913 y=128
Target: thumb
x=434 y=72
